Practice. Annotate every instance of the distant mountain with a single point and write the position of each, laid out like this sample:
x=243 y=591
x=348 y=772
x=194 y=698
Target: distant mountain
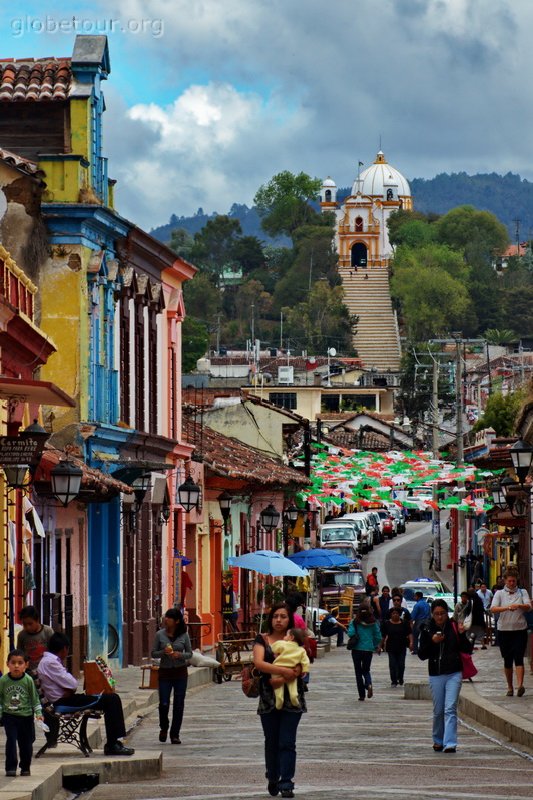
x=509 y=197
x=248 y=217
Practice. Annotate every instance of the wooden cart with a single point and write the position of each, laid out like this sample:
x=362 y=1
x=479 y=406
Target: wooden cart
x=234 y=650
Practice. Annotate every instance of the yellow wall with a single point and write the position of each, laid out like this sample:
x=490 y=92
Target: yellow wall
x=64 y=304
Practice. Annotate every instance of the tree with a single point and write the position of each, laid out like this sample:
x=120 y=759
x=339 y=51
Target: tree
x=410 y=227
x=283 y=202
x=478 y=234
x=501 y=413
x=429 y=283
x=247 y=251
x=194 y=342
x=499 y=336
x=313 y=259
x=182 y=243
x=202 y=298
x=322 y=321
x=213 y=245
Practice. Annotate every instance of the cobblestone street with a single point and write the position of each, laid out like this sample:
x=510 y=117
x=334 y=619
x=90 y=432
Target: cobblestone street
x=380 y=748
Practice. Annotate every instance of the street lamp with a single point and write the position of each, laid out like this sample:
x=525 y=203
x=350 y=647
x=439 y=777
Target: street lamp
x=164 y=515
x=224 y=501
x=269 y=518
x=522 y=458
x=16 y=476
x=188 y=494
x=140 y=486
x=515 y=503
x=498 y=496
x=66 y=481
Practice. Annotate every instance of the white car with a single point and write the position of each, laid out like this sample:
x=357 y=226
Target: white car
x=427 y=586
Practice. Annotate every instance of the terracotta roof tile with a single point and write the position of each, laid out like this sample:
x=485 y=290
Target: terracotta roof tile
x=32 y=80
x=233 y=459
x=20 y=163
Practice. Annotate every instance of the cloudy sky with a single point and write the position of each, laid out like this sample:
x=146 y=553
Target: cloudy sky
x=207 y=99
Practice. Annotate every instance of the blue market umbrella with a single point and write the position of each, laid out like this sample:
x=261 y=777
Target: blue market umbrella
x=268 y=562
x=319 y=557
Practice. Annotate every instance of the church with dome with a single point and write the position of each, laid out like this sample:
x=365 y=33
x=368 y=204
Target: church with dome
x=364 y=251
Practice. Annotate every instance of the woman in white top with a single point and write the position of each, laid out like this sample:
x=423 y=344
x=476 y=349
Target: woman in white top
x=511 y=603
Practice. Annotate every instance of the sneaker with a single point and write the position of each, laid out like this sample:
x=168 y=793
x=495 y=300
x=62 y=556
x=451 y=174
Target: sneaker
x=25 y=773
x=520 y=691
x=287 y=793
x=11 y=773
x=369 y=691
x=393 y=683
x=163 y=736
x=273 y=788
x=175 y=740
x=450 y=749
x=509 y=693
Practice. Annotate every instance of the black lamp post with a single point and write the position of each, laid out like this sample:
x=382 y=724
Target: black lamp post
x=498 y=496
x=224 y=502
x=66 y=481
x=164 y=515
x=290 y=517
x=515 y=502
x=16 y=475
x=269 y=518
x=188 y=494
x=140 y=486
x=522 y=458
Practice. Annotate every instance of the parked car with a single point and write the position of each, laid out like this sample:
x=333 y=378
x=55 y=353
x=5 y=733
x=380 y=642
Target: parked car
x=389 y=525
x=333 y=583
x=367 y=531
x=345 y=547
x=400 y=519
x=341 y=530
x=378 y=533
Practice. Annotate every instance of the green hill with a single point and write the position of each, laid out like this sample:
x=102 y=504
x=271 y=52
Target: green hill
x=509 y=197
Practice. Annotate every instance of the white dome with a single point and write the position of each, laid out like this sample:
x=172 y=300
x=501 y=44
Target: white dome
x=380 y=176
x=329 y=182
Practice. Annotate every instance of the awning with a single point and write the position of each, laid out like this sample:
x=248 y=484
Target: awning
x=29 y=391
x=96 y=486
x=129 y=471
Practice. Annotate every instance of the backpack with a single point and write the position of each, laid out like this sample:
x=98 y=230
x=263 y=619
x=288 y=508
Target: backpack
x=327 y=627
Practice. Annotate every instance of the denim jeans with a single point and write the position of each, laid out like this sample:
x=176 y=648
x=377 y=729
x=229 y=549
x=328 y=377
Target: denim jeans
x=165 y=688
x=445 y=692
x=280 y=729
x=362 y=660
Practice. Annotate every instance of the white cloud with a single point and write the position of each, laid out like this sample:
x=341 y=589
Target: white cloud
x=257 y=86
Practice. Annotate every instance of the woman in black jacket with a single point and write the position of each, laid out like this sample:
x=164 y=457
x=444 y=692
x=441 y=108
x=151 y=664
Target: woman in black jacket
x=441 y=644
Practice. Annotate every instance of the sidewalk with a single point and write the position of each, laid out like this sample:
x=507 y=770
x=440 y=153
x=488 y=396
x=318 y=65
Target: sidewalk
x=48 y=771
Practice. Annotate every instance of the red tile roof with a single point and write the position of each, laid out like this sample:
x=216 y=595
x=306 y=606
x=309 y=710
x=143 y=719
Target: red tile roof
x=20 y=163
x=31 y=79
x=228 y=457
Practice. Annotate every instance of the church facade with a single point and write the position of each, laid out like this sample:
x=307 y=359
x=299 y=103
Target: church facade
x=364 y=251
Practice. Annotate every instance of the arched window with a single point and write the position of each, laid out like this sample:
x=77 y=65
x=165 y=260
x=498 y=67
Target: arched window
x=390 y=194
x=359 y=255
x=327 y=195
x=358 y=224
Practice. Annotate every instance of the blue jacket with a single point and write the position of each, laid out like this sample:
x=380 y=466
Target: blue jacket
x=421 y=610
x=369 y=635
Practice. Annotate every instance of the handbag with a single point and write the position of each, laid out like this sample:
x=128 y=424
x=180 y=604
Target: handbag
x=528 y=615
x=250 y=679
x=353 y=640
x=469 y=669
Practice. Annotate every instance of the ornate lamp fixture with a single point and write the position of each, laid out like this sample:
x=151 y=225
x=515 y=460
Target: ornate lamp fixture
x=66 y=481
x=269 y=518
x=522 y=458
x=188 y=494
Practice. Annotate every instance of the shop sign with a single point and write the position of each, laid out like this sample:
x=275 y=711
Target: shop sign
x=19 y=450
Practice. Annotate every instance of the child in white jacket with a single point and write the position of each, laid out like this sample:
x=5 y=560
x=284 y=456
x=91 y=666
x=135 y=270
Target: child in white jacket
x=290 y=652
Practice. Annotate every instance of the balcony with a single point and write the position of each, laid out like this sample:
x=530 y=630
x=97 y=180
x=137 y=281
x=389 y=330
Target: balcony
x=15 y=287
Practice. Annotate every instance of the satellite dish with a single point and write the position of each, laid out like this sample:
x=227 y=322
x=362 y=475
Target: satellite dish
x=332 y=351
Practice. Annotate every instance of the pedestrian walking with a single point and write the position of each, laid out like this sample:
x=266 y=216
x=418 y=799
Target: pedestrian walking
x=365 y=627
x=372 y=583
x=384 y=602
x=19 y=704
x=173 y=646
x=420 y=615
x=485 y=595
x=441 y=643
x=478 y=627
x=397 y=637
x=279 y=725
x=510 y=603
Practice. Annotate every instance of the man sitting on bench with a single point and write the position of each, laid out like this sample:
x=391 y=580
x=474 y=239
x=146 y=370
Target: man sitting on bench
x=59 y=688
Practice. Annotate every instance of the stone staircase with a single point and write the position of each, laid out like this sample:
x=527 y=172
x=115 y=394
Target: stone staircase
x=376 y=341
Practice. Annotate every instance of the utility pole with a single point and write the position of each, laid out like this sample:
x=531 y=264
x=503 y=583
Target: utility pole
x=435 y=513
x=517 y=223
x=461 y=530
x=281 y=331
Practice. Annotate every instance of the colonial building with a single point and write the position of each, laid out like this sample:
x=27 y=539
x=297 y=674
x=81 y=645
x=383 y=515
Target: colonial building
x=362 y=242
x=112 y=298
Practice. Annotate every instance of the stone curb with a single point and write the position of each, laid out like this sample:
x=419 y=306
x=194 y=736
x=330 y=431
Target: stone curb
x=507 y=724
x=111 y=770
